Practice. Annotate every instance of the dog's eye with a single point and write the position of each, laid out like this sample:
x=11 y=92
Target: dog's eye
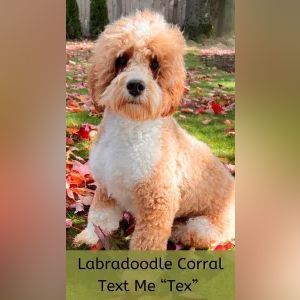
x=154 y=65
x=121 y=62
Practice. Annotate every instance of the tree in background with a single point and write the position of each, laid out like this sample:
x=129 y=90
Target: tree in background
x=222 y=12
x=206 y=18
x=98 y=17
x=73 y=29
x=197 y=19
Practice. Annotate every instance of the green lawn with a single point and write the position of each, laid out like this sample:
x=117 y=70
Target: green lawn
x=212 y=134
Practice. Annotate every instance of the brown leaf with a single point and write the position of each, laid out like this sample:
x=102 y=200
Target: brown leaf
x=230 y=131
x=198 y=92
x=206 y=121
x=187 y=110
x=227 y=122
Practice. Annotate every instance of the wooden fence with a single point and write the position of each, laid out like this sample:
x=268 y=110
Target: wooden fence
x=84 y=16
x=220 y=13
x=173 y=10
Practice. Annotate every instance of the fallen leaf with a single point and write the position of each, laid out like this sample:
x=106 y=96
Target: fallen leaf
x=129 y=223
x=224 y=160
x=103 y=237
x=69 y=141
x=217 y=108
x=230 y=131
x=69 y=223
x=96 y=247
x=227 y=122
x=82 y=169
x=70 y=193
x=200 y=110
x=206 y=121
x=198 y=92
x=186 y=90
x=224 y=247
x=187 y=110
x=72 y=130
x=84 y=131
x=86 y=200
x=73 y=106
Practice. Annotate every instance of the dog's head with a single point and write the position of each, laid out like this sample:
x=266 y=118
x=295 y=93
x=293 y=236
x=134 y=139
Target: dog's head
x=137 y=68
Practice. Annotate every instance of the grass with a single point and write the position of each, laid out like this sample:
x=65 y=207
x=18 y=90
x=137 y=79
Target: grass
x=212 y=134
x=79 y=118
x=79 y=222
x=218 y=77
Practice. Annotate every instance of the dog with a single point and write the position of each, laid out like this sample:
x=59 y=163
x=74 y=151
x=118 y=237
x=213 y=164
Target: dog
x=142 y=161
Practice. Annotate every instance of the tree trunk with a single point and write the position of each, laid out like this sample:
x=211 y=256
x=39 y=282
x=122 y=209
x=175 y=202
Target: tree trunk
x=175 y=12
x=197 y=18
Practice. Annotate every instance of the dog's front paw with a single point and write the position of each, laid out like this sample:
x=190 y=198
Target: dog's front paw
x=88 y=236
x=147 y=241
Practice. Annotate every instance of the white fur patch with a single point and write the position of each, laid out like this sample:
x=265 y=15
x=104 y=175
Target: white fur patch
x=125 y=155
x=144 y=27
x=106 y=218
x=203 y=228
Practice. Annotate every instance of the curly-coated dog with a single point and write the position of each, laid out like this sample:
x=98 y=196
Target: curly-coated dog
x=142 y=161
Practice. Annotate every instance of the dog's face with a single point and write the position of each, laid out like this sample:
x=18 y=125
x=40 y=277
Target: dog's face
x=138 y=68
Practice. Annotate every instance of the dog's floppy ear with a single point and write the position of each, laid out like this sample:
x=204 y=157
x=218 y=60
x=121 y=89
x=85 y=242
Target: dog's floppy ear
x=102 y=68
x=92 y=79
x=172 y=99
x=173 y=73
x=98 y=80
x=92 y=85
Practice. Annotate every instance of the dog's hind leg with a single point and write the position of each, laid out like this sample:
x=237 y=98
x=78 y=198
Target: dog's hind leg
x=198 y=232
x=202 y=231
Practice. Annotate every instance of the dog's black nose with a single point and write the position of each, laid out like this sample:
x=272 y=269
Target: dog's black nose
x=135 y=87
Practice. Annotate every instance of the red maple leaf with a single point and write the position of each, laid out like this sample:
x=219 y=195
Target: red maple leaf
x=84 y=131
x=224 y=247
x=217 y=108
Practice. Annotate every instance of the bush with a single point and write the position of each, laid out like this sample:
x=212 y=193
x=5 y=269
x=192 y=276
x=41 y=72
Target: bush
x=98 y=17
x=73 y=29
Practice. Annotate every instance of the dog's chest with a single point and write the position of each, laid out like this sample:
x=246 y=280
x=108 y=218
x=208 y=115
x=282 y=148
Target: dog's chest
x=125 y=155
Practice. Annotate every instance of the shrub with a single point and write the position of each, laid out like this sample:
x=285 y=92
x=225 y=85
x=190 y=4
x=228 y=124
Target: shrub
x=73 y=29
x=98 y=17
